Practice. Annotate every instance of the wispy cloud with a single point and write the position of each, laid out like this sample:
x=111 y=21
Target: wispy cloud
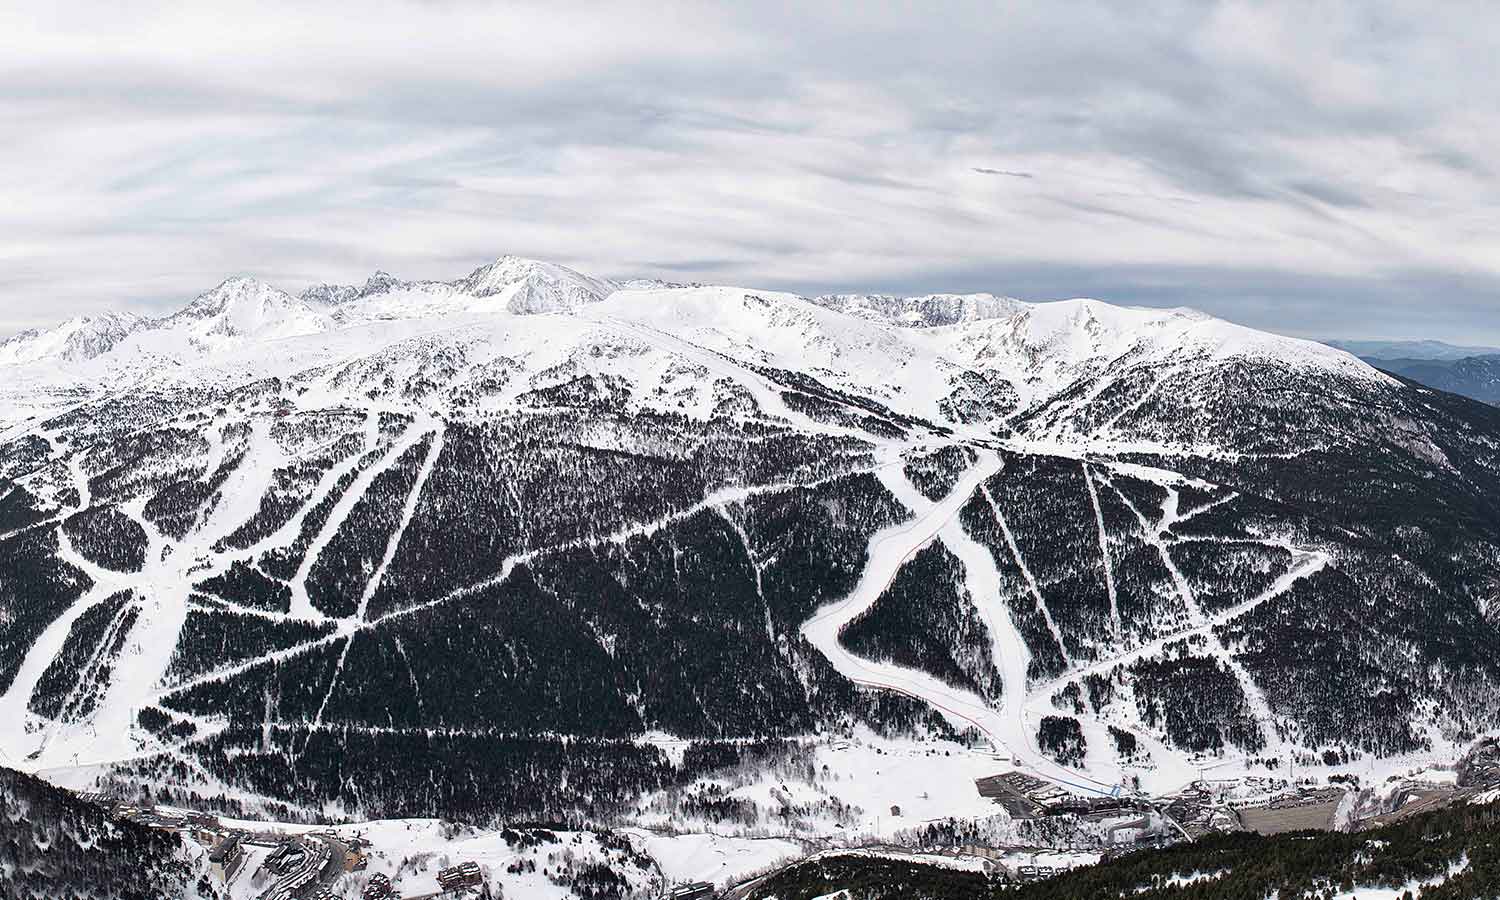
x=1289 y=170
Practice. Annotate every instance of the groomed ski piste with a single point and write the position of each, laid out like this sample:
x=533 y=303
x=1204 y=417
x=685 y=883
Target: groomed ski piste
x=730 y=337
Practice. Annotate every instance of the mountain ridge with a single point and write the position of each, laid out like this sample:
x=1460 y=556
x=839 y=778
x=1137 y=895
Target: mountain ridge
x=1037 y=346
x=1476 y=377
x=78 y=338
x=531 y=287
x=1422 y=349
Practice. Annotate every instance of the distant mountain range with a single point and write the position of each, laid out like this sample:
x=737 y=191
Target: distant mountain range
x=1427 y=350
x=1472 y=376
x=1470 y=371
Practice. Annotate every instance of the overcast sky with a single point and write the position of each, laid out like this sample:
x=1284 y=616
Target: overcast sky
x=1316 y=169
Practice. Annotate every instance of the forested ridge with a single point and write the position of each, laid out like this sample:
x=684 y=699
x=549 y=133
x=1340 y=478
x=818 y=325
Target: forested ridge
x=54 y=846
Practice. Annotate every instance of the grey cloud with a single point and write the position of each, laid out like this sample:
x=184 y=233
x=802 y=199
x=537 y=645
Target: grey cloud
x=1246 y=158
x=1330 y=193
x=691 y=266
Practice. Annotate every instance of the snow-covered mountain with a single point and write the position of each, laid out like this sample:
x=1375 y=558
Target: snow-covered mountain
x=520 y=286
x=239 y=310
x=275 y=547
x=1038 y=348
x=960 y=360
x=75 y=340
x=527 y=286
x=927 y=311
x=328 y=295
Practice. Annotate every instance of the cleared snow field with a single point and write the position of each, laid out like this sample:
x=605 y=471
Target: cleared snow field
x=867 y=775
x=721 y=859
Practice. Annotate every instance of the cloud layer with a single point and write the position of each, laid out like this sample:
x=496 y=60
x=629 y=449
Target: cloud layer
x=1320 y=169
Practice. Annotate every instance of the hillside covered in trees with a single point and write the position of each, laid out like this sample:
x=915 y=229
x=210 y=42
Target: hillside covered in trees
x=54 y=846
